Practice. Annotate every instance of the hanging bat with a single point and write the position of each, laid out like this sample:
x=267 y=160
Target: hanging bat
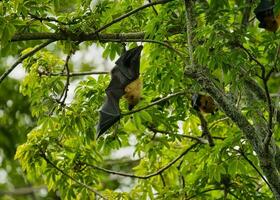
x=124 y=82
x=264 y=13
x=203 y=103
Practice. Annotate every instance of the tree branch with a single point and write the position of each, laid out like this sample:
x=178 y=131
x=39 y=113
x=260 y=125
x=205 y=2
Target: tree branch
x=130 y=13
x=253 y=165
x=146 y=176
x=246 y=14
x=154 y=103
x=204 y=191
x=72 y=178
x=66 y=87
x=73 y=74
x=22 y=58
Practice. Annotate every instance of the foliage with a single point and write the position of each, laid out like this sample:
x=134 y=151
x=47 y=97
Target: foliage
x=172 y=158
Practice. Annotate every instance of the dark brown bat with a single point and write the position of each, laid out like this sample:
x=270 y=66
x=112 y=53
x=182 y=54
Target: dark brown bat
x=265 y=14
x=124 y=81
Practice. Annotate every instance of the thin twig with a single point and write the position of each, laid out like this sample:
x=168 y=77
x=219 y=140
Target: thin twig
x=51 y=19
x=246 y=14
x=162 y=179
x=252 y=57
x=179 y=53
x=66 y=87
x=72 y=178
x=218 y=121
x=253 y=165
x=145 y=176
x=154 y=103
x=73 y=74
x=204 y=191
x=130 y=13
x=22 y=58
x=154 y=9
x=200 y=140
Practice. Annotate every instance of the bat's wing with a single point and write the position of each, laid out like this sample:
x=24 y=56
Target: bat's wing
x=109 y=113
x=263 y=10
x=129 y=65
x=126 y=70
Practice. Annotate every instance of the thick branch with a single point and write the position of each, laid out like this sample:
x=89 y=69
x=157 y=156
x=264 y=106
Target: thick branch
x=254 y=136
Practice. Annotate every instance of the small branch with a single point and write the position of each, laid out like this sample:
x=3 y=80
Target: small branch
x=162 y=179
x=179 y=53
x=252 y=57
x=66 y=87
x=154 y=103
x=150 y=1
x=146 y=176
x=204 y=191
x=73 y=74
x=205 y=130
x=130 y=13
x=50 y=19
x=218 y=121
x=246 y=14
x=22 y=58
x=255 y=168
x=200 y=140
x=72 y=178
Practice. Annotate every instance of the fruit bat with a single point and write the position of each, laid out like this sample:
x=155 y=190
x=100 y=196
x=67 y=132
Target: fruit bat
x=203 y=103
x=124 y=82
x=264 y=13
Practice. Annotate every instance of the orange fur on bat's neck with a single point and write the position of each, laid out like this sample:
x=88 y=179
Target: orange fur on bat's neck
x=207 y=104
x=272 y=23
x=133 y=93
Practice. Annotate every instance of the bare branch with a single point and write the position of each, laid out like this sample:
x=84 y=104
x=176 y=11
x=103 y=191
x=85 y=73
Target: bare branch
x=22 y=58
x=146 y=176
